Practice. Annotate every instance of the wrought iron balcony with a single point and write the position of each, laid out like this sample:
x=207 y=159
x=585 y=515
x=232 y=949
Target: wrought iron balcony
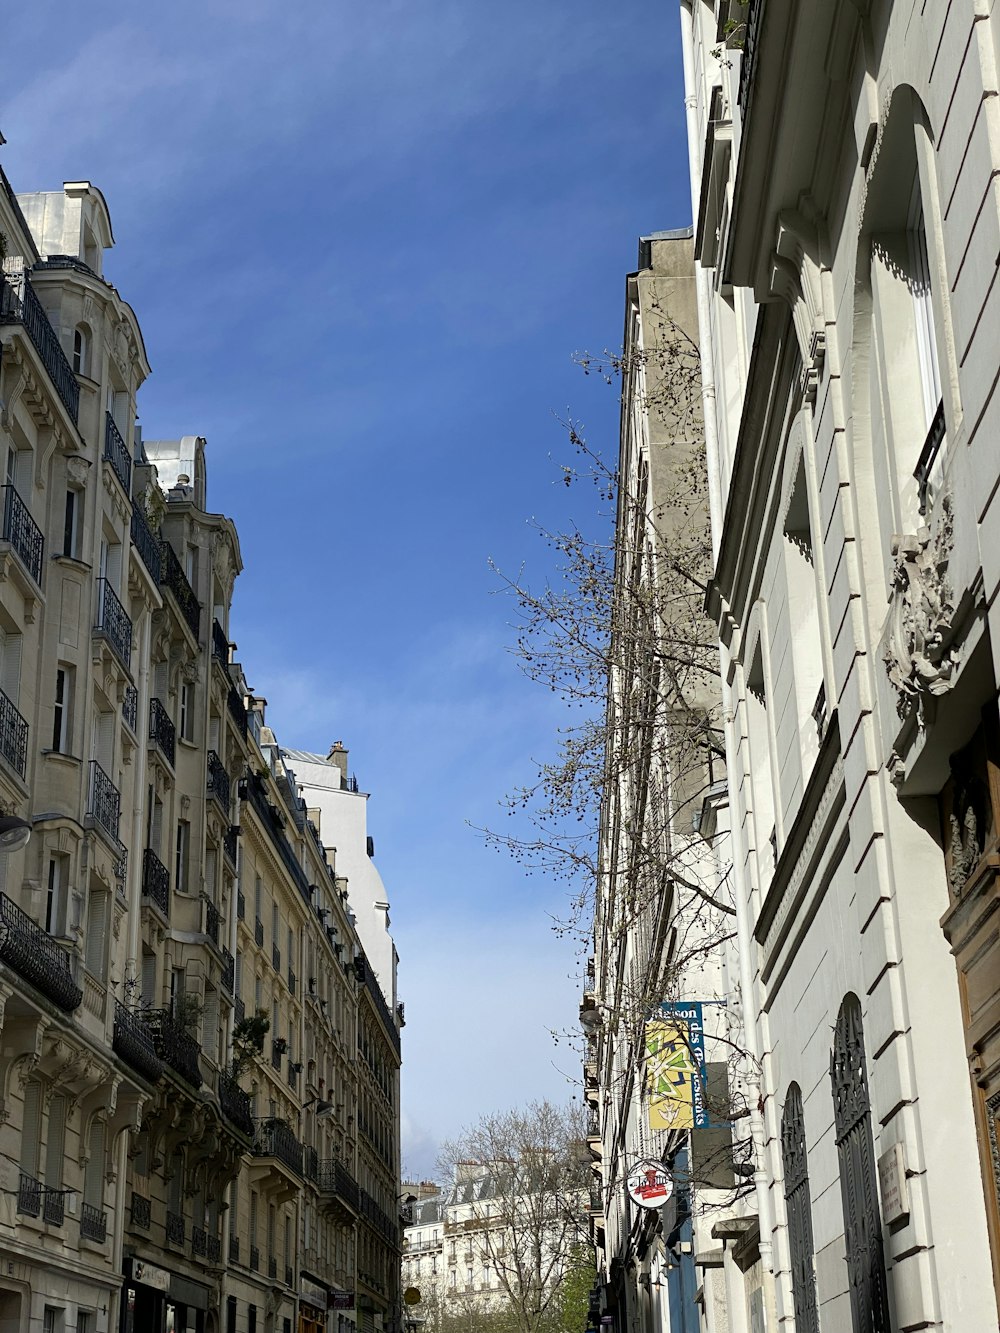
x=34 y=955
x=113 y=622
x=134 y=1043
x=275 y=1139
x=235 y=1104
x=275 y=958
x=230 y=842
x=272 y=1267
x=593 y=1123
x=228 y=971
x=93 y=1223
x=13 y=736
x=162 y=730
x=234 y=1249
x=20 y=305
x=214 y=1250
x=54 y=1207
x=175 y=1046
x=105 y=801
x=23 y=533
x=175 y=1228
x=117 y=454
x=220 y=644
x=237 y=710
x=211 y=921
x=29 y=1196
x=156 y=881
x=199 y=1241
x=130 y=707
x=239 y=1010
x=748 y=60
x=258 y=932
x=146 y=542
x=141 y=1212
x=277 y=1051
x=334 y=1178
x=219 y=783
x=173 y=578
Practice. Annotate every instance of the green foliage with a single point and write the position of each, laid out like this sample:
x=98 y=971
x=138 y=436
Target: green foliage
x=574 y=1291
x=248 y=1040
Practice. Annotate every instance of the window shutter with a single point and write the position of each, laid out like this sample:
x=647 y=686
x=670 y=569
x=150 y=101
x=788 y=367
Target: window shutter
x=149 y=980
x=97 y=933
x=10 y=666
x=93 y=1180
x=55 y=1147
x=30 y=1127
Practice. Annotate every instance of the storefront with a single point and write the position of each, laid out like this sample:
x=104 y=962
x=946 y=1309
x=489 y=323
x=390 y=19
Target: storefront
x=156 y=1300
x=313 y=1302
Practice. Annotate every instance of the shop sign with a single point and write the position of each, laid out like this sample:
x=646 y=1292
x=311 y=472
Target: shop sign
x=150 y=1276
x=649 y=1184
x=675 y=1061
x=341 y=1300
x=312 y=1292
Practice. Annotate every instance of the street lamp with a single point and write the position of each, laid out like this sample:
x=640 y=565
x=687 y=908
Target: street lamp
x=14 y=833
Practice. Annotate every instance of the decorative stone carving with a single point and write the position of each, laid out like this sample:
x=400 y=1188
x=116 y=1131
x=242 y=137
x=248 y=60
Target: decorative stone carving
x=918 y=656
x=77 y=469
x=967 y=826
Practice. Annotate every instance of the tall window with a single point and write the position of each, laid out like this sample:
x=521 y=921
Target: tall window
x=93 y=1180
x=799 y=1212
x=55 y=895
x=71 y=523
x=96 y=947
x=856 y=1157
x=181 y=856
x=29 y=1127
x=81 y=348
x=187 y=713
x=61 y=711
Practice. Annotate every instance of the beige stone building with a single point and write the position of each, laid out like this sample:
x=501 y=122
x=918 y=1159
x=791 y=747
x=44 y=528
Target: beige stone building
x=192 y=1043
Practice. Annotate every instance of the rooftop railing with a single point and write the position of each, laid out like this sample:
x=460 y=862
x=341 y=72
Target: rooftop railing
x=23 y=533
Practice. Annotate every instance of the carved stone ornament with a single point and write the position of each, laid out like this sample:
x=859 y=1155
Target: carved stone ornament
x=967 y=831
x=76 y=471
x=918 y=656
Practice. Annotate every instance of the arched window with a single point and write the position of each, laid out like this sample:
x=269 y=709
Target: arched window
x=856 y=1157
x=798 y=1209
x=81 y=350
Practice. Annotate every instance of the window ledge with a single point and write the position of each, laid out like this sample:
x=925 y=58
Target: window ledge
x=72 y=561
x=188 y=745
x=61 y=757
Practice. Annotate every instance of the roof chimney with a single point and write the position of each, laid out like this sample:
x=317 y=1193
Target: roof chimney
x=338 y=757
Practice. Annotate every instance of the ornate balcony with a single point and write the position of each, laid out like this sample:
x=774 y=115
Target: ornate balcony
x=334 y=1180
x=212 y=921
x=235 y=1104
x=258 y=932
x=228 y=971
x=230 y=842
x=134 y=1043
x=173 y=578
x=54 y=1207
x=146 y=542
x=156 y=881
x=175 y=1046
x=199 y=1241
x=26 y=948
x=116 y=453
x=234 y=1249
x=13 y=736
x=105 y=801
x=214 y=1250
x=237 y=710
x=175 y=1228
x=93 y=1223
x=162 y=731
x=141 y=1212
x=113 y=622
x=23 y=533
x=220 y=644
x=219 y=784
x=275 y=1139
x=20 y=305
x=130 y=708
x=29 y=1196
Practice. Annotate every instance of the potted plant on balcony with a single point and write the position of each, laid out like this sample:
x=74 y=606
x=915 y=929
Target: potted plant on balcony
x=248 y=1041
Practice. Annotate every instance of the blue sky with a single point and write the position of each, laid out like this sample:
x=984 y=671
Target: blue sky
x=363 y=242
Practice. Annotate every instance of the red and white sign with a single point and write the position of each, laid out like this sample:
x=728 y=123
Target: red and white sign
x=649 y=1184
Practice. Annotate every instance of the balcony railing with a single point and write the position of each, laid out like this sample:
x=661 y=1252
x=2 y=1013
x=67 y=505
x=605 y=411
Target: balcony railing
x=105 y=801
x=175 y=1228
x=379 y=1218
x=113 y=622
x=117 y=454
x=277 y=1051
x=230 y=842
x=237 y=710
x=334 y=1178
x=174 y=579
x=133 y=1041
x=235 y=1104
x=254 y=1259
x=228 y=971
x=26 y=948
x=20 y=305
x=749 y=57
x=29 y=1196
x=219 y=784
x=93 y=1223
x=212 y=921
x=214 y=1250
x=239 y=1010
x=291 y=981
x=146 y=543
x=175 y=1046
x=220 y=644
x=275 y=1139
x=258 y=932
x=23 y=533
x=234 y=1249
x=54 y=1207
x=130 y=707
x=141 y=1212
x=275 y=958
x=199 y=1241
x=162 y=730
x=156 y=880
x=13 y=736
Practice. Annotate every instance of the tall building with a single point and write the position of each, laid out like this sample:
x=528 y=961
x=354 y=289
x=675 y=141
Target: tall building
x=844 y=160
x=192 y=1043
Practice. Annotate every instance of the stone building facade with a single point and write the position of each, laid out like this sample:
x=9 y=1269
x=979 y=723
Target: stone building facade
x=188 y=1014
x=844 y=162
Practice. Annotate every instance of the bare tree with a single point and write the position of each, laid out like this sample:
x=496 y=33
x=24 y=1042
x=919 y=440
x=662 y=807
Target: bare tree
x=520 y=1205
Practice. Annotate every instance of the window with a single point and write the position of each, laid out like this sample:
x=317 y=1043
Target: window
x=29 y=1127
x=71 y=524
x=798 y=1209
x=53 y=1320
x=93 y=1180
x=96 y=946
x=468 y=1277
x=55 y=895
x=251 y=1319
x=10 y=665
x=61 y=728
x=856 y=1157
x=148 y=980
x=451 y=1278
x=187 y=713
x=181 y=856
x=81 y=347
x=84 y=1321
x=230 y=1314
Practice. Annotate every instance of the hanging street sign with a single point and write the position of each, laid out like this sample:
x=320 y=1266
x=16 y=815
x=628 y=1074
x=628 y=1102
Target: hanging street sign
x=649 y=1184
x=675 y=1064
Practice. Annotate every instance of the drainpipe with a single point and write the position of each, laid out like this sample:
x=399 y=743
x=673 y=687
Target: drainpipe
x=744 y=931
